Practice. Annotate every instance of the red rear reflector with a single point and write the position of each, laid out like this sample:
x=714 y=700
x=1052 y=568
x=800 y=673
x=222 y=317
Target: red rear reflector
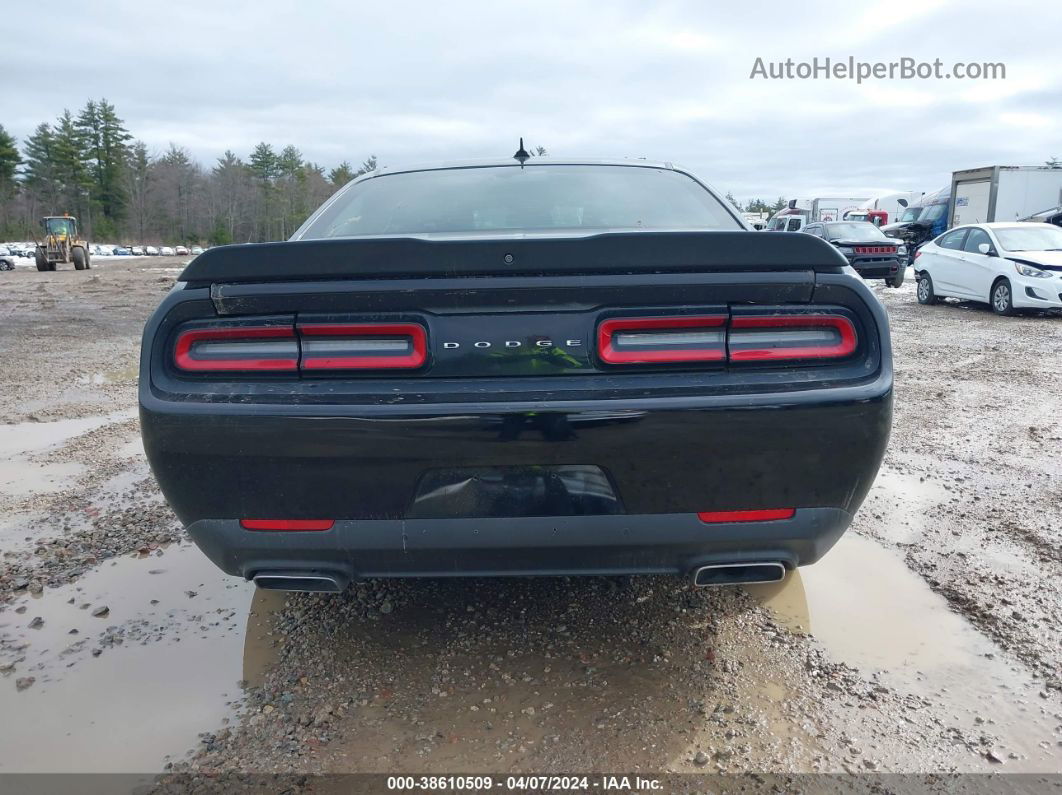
x=769 y=515
x=237 y=348
x=297 y=525
x=363 y=346
x=662 y=340
x=762 y=338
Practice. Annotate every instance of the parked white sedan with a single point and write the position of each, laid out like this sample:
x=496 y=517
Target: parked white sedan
x=1009 y=266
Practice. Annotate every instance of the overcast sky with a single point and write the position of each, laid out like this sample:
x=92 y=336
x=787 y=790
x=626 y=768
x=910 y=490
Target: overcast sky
x=412 y=82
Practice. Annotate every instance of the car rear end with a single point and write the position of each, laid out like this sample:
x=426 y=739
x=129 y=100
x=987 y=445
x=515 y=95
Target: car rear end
x=874 y=260
x=712 y=403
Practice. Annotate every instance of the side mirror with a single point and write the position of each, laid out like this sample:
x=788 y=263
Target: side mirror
x=985 y=249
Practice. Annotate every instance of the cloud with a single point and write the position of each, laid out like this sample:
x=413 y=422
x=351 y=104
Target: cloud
x=416 y=81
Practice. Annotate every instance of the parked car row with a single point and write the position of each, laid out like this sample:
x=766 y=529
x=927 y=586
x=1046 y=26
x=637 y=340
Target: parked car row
x=1010 y=266
x=149 y=251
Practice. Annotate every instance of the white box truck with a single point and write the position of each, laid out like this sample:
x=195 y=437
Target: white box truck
x=802 y=212
x=1003 y=193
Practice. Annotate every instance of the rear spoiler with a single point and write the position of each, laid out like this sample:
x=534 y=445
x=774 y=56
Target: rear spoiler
x=609 y=252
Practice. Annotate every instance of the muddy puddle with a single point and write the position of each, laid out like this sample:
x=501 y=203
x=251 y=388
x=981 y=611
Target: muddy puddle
x=21 y=443
x=870 y=611
x=118 y=692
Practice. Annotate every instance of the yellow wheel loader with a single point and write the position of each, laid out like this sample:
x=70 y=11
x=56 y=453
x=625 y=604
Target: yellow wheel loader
x=61 y=244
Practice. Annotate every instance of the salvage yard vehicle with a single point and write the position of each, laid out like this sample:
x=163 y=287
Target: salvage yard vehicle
x=878 y=211
x=1009 y=266
x=921 y=222
x=61 y=244
x=866 y=248
x=800 y=212
x=517 y=368
x=1003 y=193
x=1052 y=215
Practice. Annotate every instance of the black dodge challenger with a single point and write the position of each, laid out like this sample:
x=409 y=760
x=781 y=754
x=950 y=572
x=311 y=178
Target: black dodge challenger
x=517 y=368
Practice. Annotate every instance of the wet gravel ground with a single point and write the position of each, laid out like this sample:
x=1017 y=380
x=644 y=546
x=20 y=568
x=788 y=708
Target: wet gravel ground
x=927 y=641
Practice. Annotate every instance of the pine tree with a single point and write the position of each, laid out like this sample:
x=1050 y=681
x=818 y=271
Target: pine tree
x=341 y=174
x=231 y=180
x=72 y=170
x=263 y=166
x=9 y=162
x=41 y=175
x=105 y=141
x=367 y=166
x=263 y=163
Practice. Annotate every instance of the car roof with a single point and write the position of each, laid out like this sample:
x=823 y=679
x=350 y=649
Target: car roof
x=529 y=163
x=1012 y=224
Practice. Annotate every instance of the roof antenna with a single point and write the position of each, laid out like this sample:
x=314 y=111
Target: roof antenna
x=521 y=154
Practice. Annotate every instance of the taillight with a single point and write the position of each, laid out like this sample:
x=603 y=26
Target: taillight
x=363 y=346
x=238 y=348
x=768 y=515
x=772 y=338
x=918 y=253
x=717 y=338
x=287 y=525
x=662 y=340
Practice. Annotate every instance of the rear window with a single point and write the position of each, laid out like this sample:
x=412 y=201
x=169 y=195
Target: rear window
x=510 y=198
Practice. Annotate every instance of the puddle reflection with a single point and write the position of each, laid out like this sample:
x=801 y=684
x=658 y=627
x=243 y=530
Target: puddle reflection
x=870 y=611
x=171 y=655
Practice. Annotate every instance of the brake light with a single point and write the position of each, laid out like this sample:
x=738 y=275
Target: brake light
x=770 y=338
x=662 y=340
x=238 y=348
x=769 y=515
x=363 y=346
x=288 y=525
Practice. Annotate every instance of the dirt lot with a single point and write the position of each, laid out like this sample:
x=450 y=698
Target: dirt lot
x=926 y=641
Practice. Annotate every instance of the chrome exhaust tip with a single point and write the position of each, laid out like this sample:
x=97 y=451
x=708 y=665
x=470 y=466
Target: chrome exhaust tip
x=738 y=573
x=298 y=581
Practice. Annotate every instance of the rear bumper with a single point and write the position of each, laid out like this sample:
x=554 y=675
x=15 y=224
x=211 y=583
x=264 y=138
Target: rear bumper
x=625 y=544
x=818 y=456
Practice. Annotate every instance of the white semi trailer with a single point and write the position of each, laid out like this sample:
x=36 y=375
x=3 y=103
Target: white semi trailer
x=1003 y=193
x=802 y=212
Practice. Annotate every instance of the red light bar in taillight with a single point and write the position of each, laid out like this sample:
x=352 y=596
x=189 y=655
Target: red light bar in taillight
x=771 y=338
x=662 y=340
x=363 y=346
x=287 y=525
x=237 y=348
x=768 y=515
